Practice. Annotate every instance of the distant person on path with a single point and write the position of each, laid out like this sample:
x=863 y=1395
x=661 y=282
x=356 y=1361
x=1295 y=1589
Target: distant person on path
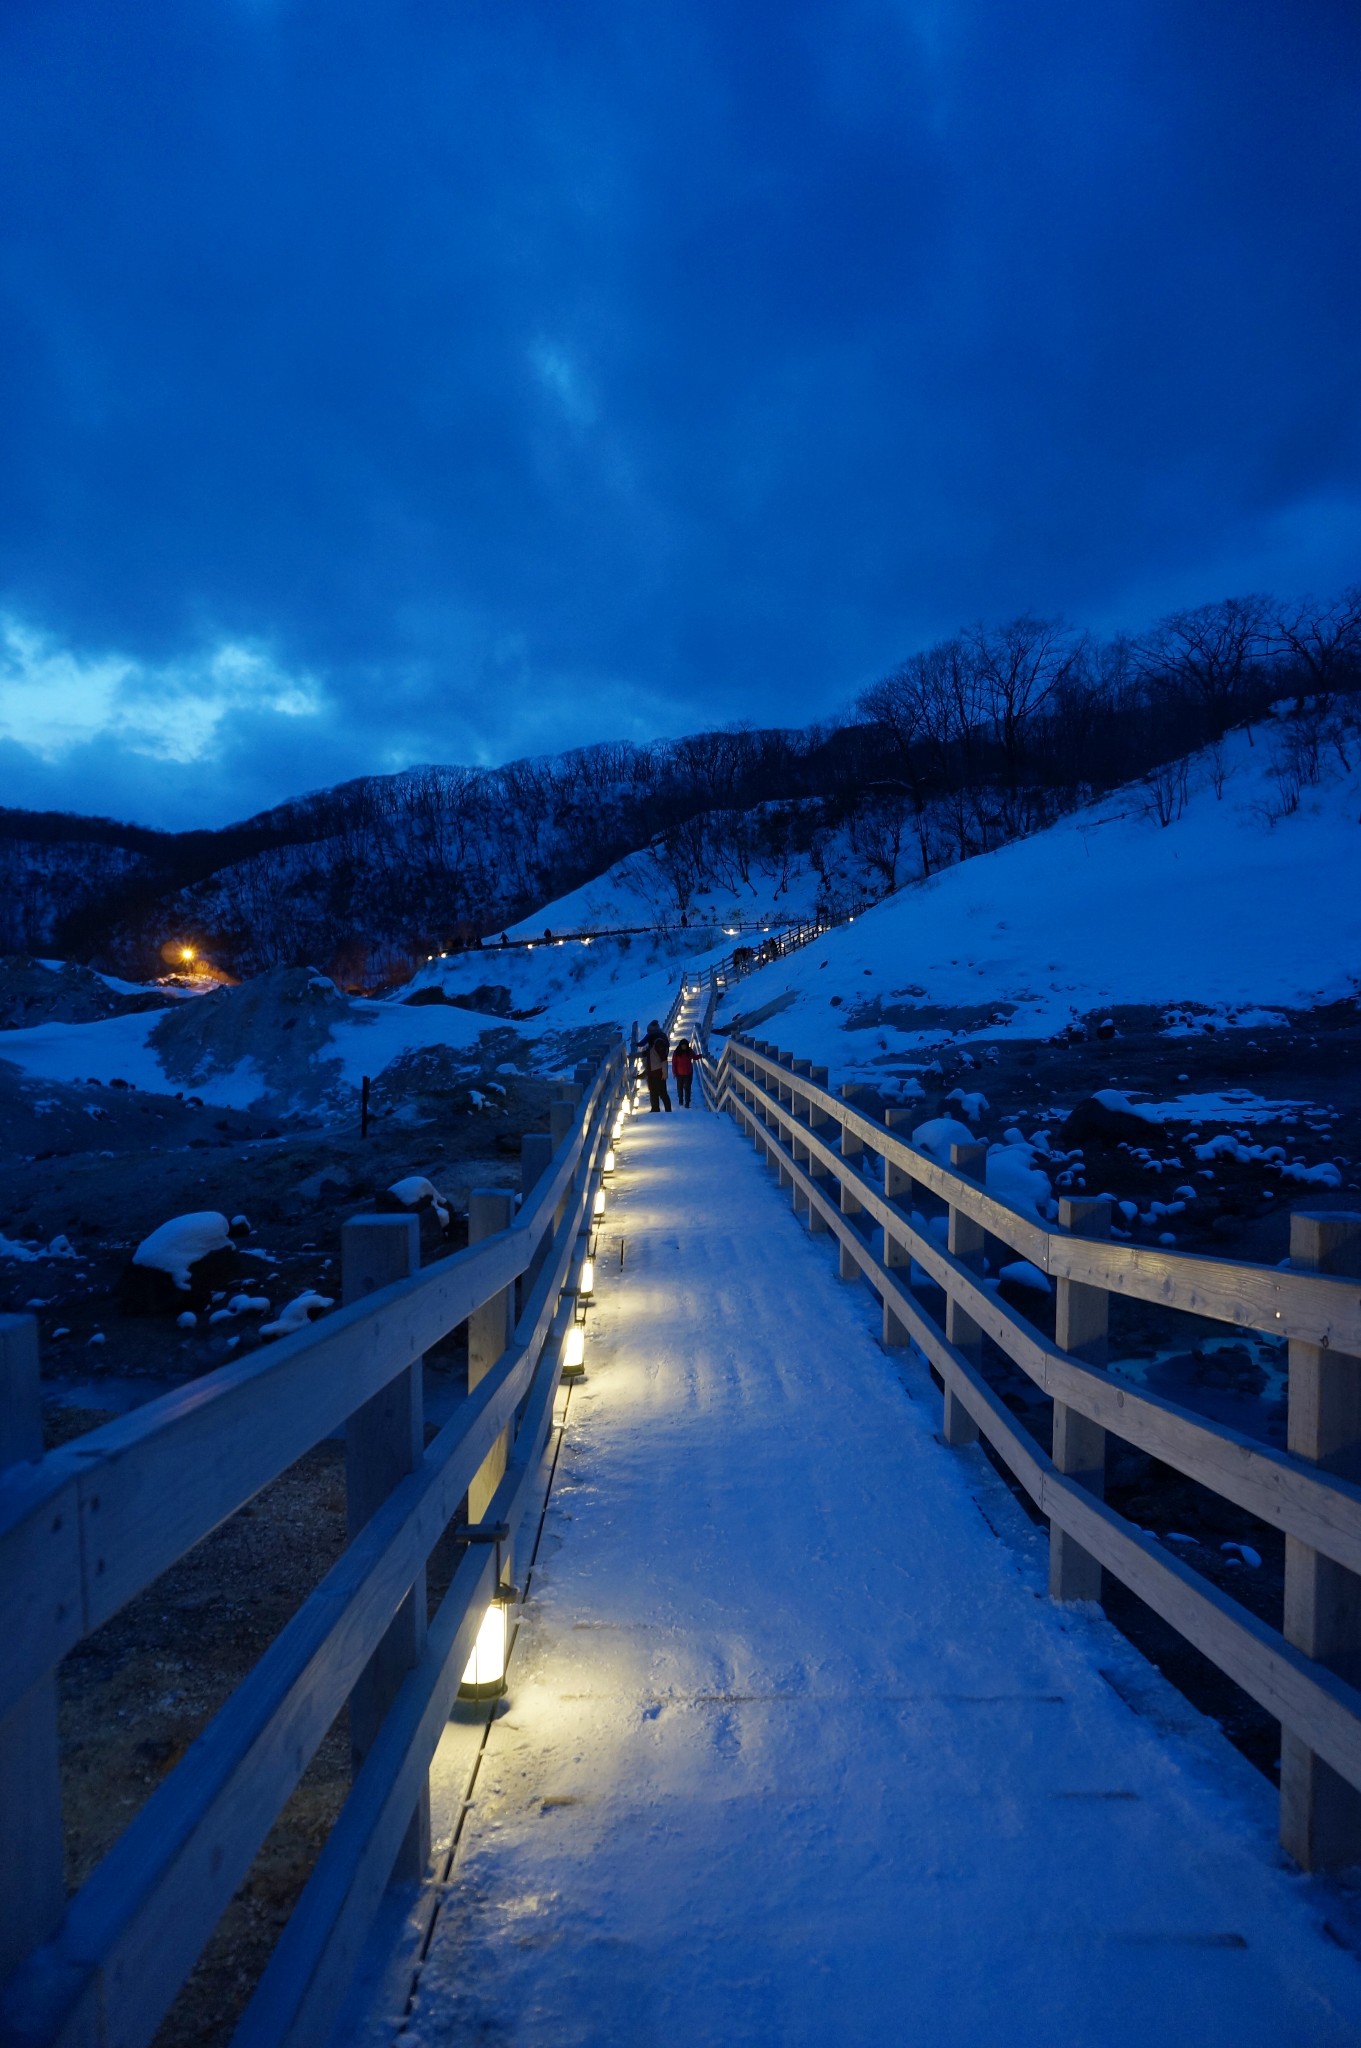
x=656 y=1052
x=683 y=1067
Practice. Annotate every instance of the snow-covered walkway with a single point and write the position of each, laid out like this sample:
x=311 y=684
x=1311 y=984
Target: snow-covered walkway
x=796 y=1748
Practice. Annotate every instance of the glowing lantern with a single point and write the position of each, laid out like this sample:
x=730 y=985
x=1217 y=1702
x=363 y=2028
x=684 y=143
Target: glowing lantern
x=574 y=1353
x=609 y=1161
x=485 y=1677
x=598 y=1205
x=586 y=1282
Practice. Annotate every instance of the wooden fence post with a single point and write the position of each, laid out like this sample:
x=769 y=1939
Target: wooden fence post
x=799 y=1108
x=489 y=1332
x=32 y=1889
x=897 y=1188
x=562 y=1121
x=1081 y=1317
x=784 y=1094
x=771 y=1087
x=817 y=1120
x=965 y=1240
x=384 y=1441
x=853 y=1151
x=536 y=1156
x=1321 y=1811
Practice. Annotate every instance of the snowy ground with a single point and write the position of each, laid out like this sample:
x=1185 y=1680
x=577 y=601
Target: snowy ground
x=796 y=1749
x=567 y=991
x=1219 y=910
x=551 y=996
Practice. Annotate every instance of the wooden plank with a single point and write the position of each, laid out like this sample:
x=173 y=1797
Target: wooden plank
x=384 y=1443
x=489 y=1331
x=32 y=1890
x=1320 y=1813
x=42 y=1591
x=1313 y=1308
x=1081 y=1318
x=894 y=1252
x=964 y=1242
x=851 y=1149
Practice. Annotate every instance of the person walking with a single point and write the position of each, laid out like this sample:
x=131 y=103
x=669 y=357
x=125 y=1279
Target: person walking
x=656 y=1052
x=683 y=1067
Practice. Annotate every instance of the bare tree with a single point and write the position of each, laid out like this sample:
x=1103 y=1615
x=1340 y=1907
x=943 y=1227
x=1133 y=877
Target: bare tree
x=1208 y=653
x=1019 y=665
x=877 y=833
x=1323 y=640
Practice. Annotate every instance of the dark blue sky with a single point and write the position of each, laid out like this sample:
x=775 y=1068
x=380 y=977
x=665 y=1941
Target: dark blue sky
x=426 y=381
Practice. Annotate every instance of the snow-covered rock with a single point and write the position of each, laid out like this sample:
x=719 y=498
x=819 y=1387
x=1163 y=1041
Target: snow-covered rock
x=179 y=1265
x=1020 y=1273
x=938 y=1134
x=416 y=1192
x=178 y=1246
x=1013 y=1176
x=300 y=1312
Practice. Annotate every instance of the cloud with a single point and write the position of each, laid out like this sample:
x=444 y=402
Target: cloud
x=494 y=379
x=53 y=701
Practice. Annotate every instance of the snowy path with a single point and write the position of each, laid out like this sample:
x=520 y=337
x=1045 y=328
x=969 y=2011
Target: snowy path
x=796 y=1749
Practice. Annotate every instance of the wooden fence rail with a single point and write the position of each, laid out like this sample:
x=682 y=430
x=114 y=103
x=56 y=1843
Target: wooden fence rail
x=85 y=1529
x=743 y=960
x=1307 y=1674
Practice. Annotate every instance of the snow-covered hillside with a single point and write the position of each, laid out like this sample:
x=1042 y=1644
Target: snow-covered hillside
x=1222 y=910
x=1216 y=917
x=735 y=870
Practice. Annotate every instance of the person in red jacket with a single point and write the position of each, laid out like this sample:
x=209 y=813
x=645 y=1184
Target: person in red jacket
x=683 y=1067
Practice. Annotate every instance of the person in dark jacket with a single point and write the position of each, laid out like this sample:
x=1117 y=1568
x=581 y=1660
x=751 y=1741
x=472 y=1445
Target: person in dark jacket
x=683 y=1067
x=656 y=1052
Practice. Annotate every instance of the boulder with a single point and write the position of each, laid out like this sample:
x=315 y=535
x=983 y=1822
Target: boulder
x=1094 y=1122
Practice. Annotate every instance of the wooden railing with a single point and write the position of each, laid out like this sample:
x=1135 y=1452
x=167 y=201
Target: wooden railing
x=743 y=960
x=851 y=1176
x=86 y=1528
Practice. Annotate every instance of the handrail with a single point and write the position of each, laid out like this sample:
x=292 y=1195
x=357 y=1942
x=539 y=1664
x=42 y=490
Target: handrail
x=787 y=940
x=139 y=1493
x=142 y=1490
x=807 y=1133
x=1314 y=1308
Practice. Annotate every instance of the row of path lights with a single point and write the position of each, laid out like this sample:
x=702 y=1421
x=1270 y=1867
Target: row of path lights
x=485 y=1676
